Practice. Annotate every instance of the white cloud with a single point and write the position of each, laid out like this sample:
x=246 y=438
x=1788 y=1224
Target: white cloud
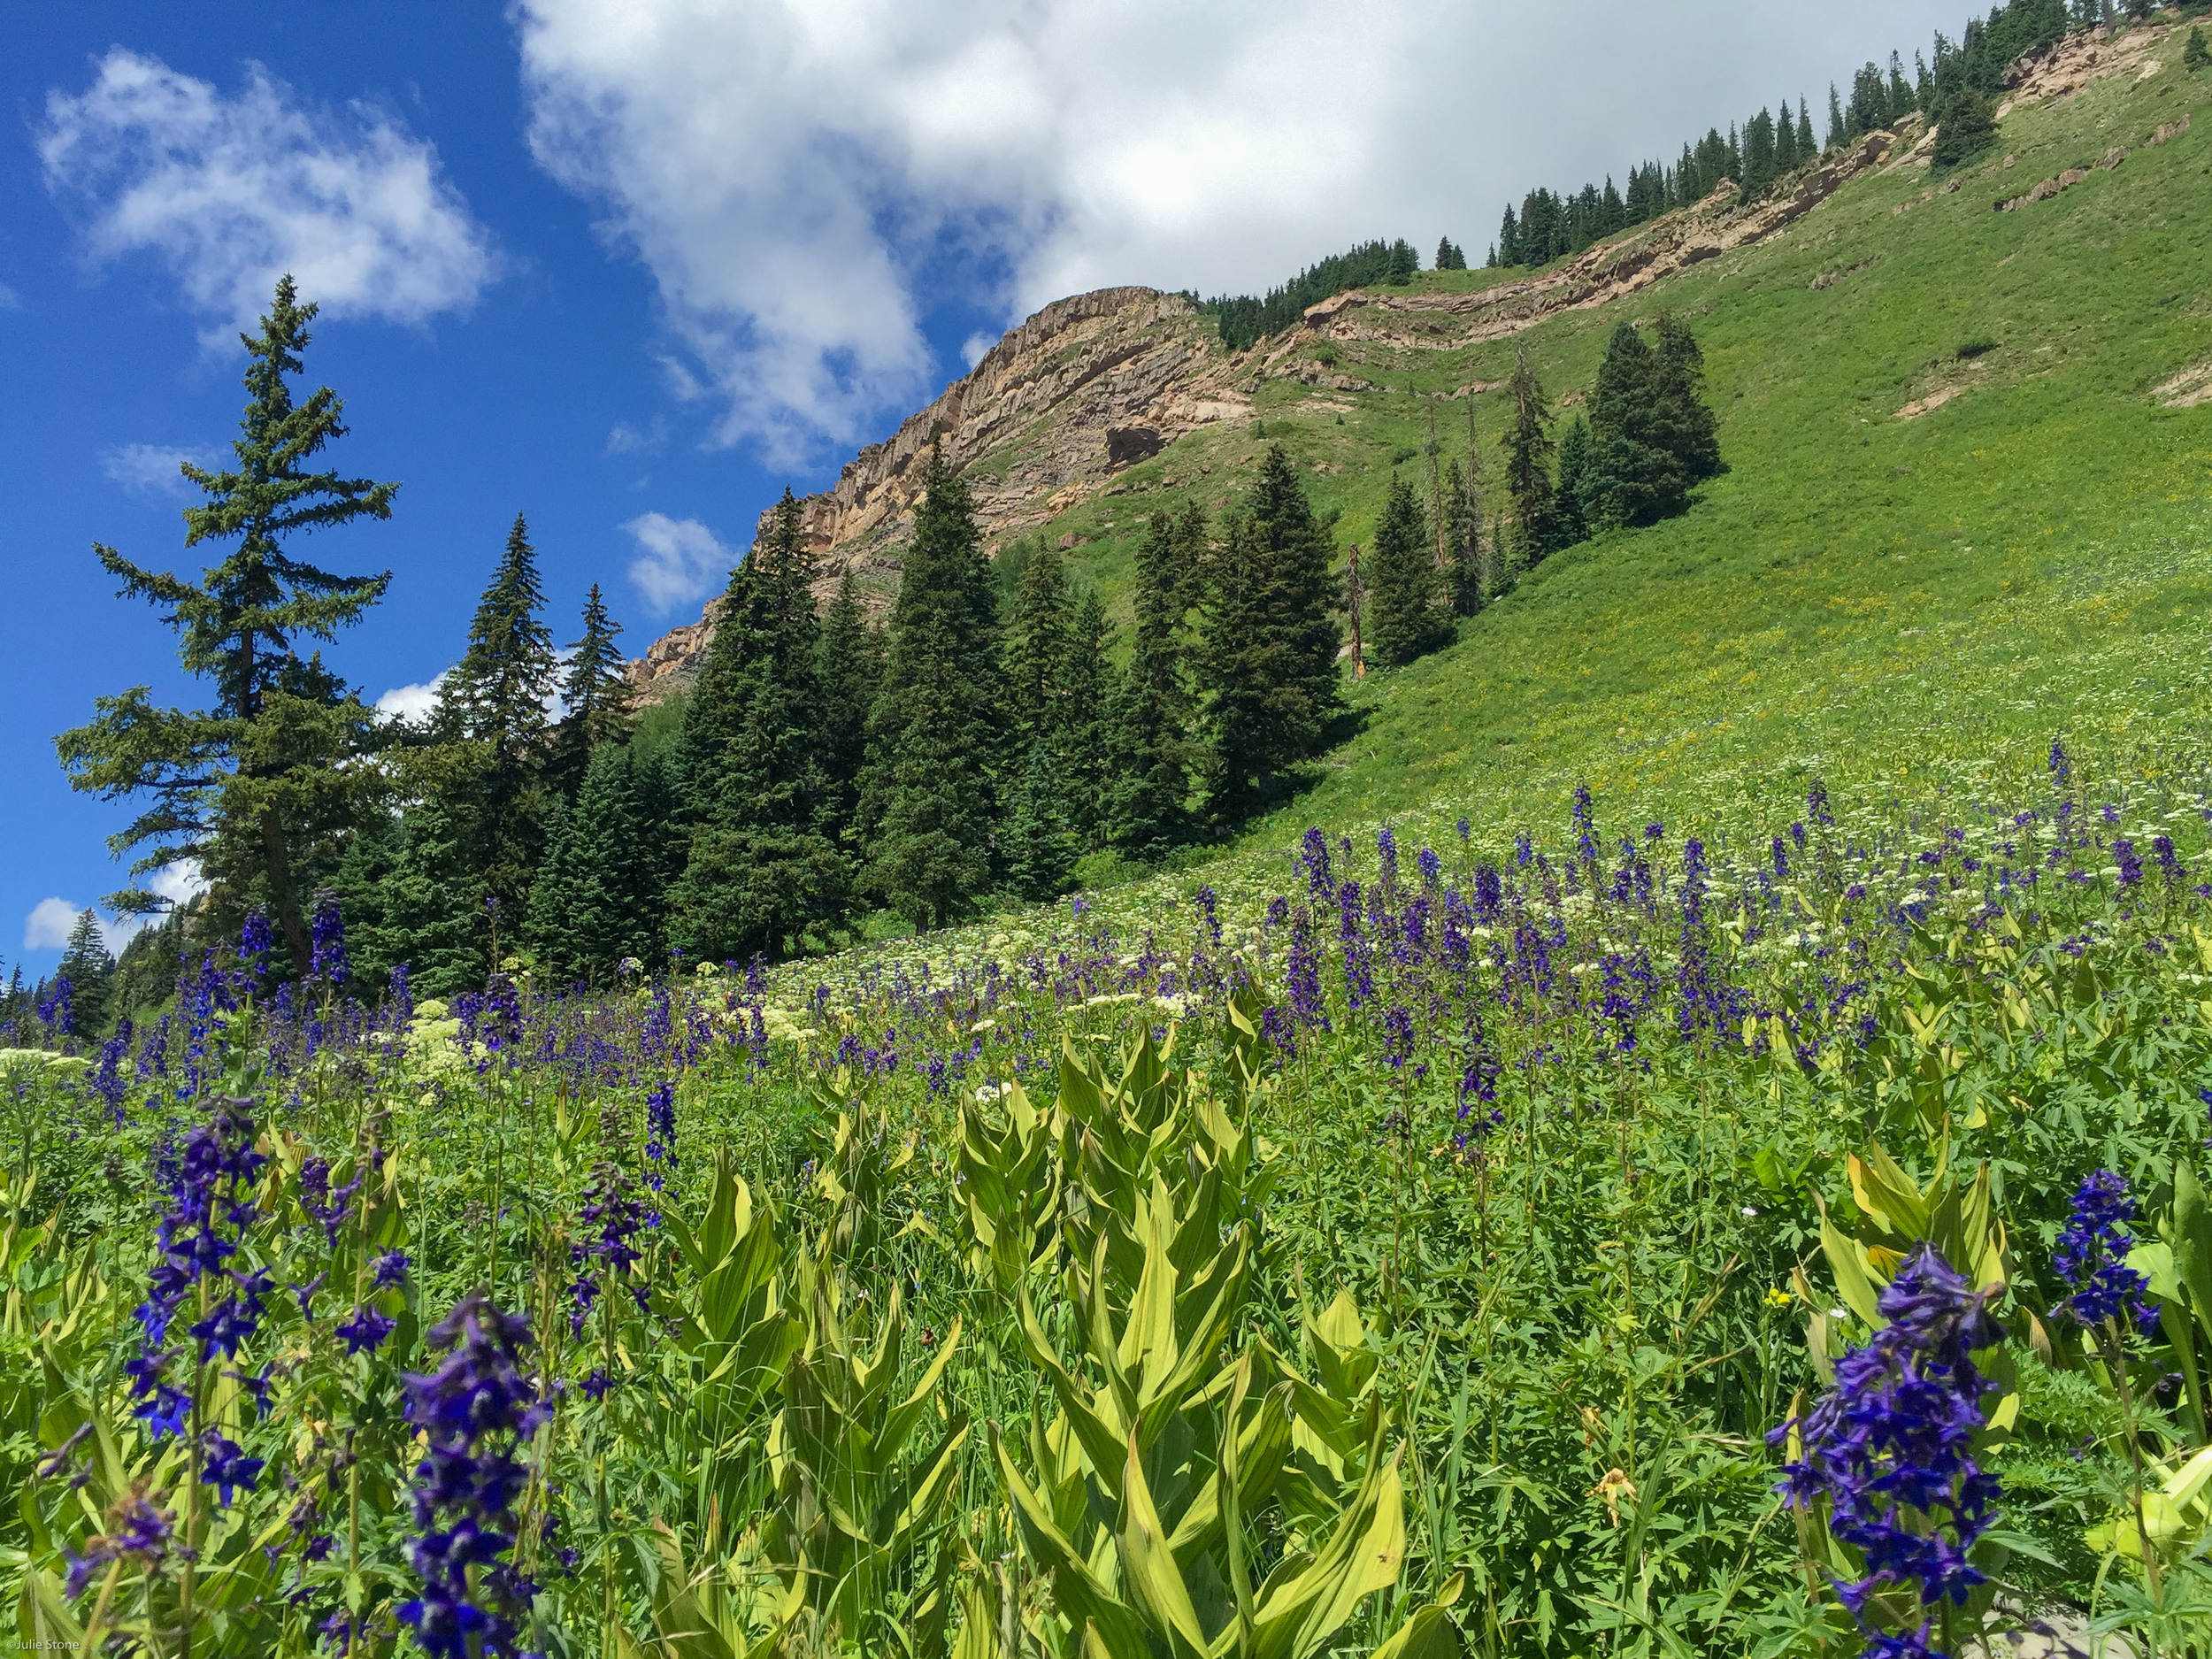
x=48 y=925
x=798 y=174
x=231 y=192
x=973 y=348
x=412 y=703
x=9 y=300
x=679 y=560
x=150 y=469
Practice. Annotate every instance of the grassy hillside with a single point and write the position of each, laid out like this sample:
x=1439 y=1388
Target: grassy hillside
x=1871 y=594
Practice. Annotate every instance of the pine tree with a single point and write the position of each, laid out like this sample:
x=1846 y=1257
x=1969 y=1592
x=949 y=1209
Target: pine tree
x=851 y=669
x=1038 y=636
x=928 y=794
x=1806 y=149
x=2195 y=55
x=598 y=897
x=1154 y=709
x=1528 y=448
x=1271 y=660
x=495 y=700
x=1689 y=430
x=1085 y=751
x=268 y=775
x=1785 y=157
x=595 y=698
x=1406 y=620
x=1448 y=256
x=86 y=964
x=1403 y=263
x=1574 y=481
x=438 y=915
x=1040 y=849
x=761 y=870
x=1837 y=132
x=1966 y=127
x=1630 y=477
x=1462 y=542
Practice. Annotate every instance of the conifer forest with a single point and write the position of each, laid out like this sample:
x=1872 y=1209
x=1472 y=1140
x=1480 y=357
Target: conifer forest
x=1533 y=1015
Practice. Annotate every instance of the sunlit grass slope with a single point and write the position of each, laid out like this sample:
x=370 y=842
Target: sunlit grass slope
x=1892 y=600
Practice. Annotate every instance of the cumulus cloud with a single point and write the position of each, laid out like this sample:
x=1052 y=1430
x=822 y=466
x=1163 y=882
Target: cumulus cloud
x=798 y=174
x=48 y=925
x=9 y=300
x=625 y=438
x=231 y=192
x=680 y=561
x=150 y=469
x=412 y=703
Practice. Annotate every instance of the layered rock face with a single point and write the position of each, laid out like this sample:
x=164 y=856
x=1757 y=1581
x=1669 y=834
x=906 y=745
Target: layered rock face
x=1086 y=386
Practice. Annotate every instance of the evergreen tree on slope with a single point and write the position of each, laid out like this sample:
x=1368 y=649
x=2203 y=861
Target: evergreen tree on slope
x=1402 y=580
x=1272 y=682
x=1038 y=637
x=1528 y=448
x=851 y=670
x=1085 y=757
x=495 y=700
x=1040 y=848
x=928 y=794
x=595 y=698
x=762 y=870
x=1154 y=705
x=265 y=777
x=86 y=964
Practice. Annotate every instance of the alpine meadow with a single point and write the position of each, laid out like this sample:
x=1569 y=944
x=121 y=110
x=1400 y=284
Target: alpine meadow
x=1506 y=952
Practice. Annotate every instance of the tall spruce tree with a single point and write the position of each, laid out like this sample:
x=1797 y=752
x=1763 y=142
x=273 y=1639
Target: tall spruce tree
x=1527 y=444
x=1041 y=845
x=1406 y=620
x=1688 y=427
x=598 y=897
x=86 y=964
x=1038 y=636
x=1271 y=661
x=1574 y=482
x=261 y=785
x=1085 y=755
x=1632 y=478
x=762 y=870
x=1155 y=708
x=495 y=701
x=1462 y=542
x=929 y=794
x=595 y=698
x=850 y=671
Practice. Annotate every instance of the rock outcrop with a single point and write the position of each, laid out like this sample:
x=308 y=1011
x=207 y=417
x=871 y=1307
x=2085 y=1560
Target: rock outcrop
x=1086 y=388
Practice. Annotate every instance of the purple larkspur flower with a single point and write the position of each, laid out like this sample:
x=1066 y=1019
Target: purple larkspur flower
x=2092 y=1255
x=1889 y=1450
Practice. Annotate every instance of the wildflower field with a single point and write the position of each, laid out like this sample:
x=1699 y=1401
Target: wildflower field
x=1603 y=1242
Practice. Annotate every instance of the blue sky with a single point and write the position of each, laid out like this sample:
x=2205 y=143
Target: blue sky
x=630 y=266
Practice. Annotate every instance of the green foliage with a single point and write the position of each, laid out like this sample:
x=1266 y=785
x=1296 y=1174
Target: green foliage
x=1406 y=617
x=1966 y=128
x=1268 y=665
x=2195 y=55
x=850 y=670
x=1651 y=435
x=1040 y=843
x=762 y=870
x=929 y=794
x=258 y=786
x=1244 y=321
x=611 y=856
x=86 y=964
x=1528 y=448
x=1155 y=748
x=595 y=698
x=494 y=701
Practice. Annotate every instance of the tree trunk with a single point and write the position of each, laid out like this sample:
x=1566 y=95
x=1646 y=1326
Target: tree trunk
x=287 y=901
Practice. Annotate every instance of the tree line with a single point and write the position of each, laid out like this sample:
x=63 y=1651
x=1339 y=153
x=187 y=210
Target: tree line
x=981 y=741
